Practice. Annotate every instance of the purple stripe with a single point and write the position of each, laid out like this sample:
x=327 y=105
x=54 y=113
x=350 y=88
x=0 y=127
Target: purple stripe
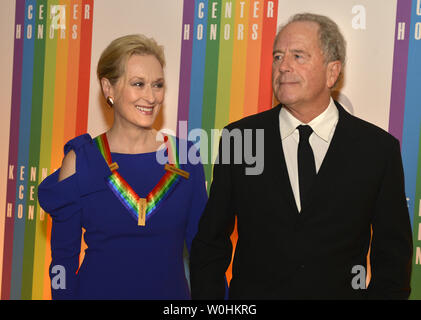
x=185 y=64
x=133 y=211
x=13 y=145
x=121 y=197
x=400 y=64
x=154 y=209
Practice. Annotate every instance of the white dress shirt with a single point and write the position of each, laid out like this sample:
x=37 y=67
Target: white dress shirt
x=323 y=126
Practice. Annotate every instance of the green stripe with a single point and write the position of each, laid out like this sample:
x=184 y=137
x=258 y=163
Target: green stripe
x=224 y=69
x=224 y=78
x=416 y=276
x=45 y=151
x=159 y=195
x=100 y=145
x=122 y=191
x=173 y=146
x=34 y=153
x=211 y=79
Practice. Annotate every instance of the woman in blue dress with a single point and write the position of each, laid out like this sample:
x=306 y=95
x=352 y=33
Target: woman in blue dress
x=137 y=212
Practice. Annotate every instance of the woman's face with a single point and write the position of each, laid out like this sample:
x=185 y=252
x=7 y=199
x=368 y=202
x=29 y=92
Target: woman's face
x=139 y=93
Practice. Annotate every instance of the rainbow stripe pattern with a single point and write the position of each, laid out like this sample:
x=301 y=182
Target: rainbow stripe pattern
x=225 y=68
x=225 y=74
x=50 y=95
x=125 y=193
x=405 y=117
x=226 y=64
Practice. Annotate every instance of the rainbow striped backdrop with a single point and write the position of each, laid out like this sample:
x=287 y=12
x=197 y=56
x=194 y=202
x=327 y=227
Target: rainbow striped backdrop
x=226 y=65
x=50 y=91
x=225 y=72
x=405 y=117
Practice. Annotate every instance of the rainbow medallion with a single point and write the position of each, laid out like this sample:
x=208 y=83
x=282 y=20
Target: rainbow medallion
x=142 y=208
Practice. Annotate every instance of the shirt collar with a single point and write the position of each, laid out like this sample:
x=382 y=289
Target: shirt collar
x=323 y=125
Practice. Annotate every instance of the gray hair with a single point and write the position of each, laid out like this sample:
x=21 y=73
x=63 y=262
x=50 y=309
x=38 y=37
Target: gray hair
x=332 y=42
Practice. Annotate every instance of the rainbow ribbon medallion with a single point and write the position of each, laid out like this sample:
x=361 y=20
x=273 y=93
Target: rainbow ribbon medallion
x=141 y=209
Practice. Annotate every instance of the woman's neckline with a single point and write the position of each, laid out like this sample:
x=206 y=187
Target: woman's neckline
x=133 y=154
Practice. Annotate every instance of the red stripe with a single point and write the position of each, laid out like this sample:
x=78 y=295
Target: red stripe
x=268 y=35
x=126 y=186
x=127 y=189
x=167 y=176
x=106 y=146
x=84 y=67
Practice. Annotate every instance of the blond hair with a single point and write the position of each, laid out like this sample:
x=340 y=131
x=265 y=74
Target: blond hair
x=111 y=64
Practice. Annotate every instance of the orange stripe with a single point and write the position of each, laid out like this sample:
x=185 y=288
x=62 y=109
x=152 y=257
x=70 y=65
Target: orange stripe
x=259 y=65
x=251 y=93
x=239 y=63
x=73 y=73
x=268 y=36
x=60 y=93
x=238 y=81
x=84 y=81
x=47 y=287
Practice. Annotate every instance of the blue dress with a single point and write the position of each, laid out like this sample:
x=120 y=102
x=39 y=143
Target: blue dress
x=122 y=260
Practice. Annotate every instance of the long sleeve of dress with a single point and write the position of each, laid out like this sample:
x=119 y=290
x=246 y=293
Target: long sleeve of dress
x=123 y=260
x=60 y=200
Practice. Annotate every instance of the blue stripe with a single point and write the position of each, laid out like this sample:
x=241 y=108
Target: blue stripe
x=122 y=199
x=127 y=205
x=23 y=151
x=198 y=65
x=412 y=116
x=154 y=209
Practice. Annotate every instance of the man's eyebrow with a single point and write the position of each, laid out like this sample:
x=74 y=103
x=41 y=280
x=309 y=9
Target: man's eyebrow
x=292 y=50
x=298 y=50
x=277 y=51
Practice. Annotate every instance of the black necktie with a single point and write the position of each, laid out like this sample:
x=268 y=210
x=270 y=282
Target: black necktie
x=306 y=165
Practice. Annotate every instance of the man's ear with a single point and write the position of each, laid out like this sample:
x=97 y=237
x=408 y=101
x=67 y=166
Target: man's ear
x=333 y=70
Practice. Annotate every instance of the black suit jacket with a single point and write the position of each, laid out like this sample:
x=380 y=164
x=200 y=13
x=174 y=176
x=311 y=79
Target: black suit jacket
x=284 y=254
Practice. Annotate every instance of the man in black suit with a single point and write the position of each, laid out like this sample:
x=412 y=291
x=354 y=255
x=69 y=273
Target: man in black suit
x=331 y=185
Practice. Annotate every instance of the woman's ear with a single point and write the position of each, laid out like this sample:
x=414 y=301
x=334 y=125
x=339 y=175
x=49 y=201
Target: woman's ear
x=107 y=91
x=107 y=88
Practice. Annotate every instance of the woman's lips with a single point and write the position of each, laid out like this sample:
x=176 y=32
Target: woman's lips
x=145 y=110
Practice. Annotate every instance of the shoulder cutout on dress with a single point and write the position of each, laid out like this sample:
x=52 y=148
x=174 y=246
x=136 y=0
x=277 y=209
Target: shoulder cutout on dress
x=77 y=143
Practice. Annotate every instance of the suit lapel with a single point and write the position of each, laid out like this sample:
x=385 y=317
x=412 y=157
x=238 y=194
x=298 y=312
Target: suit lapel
x=275 y=165
x=336 y=158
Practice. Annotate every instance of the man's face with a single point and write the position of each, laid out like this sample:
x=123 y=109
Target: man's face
x=300 y=76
